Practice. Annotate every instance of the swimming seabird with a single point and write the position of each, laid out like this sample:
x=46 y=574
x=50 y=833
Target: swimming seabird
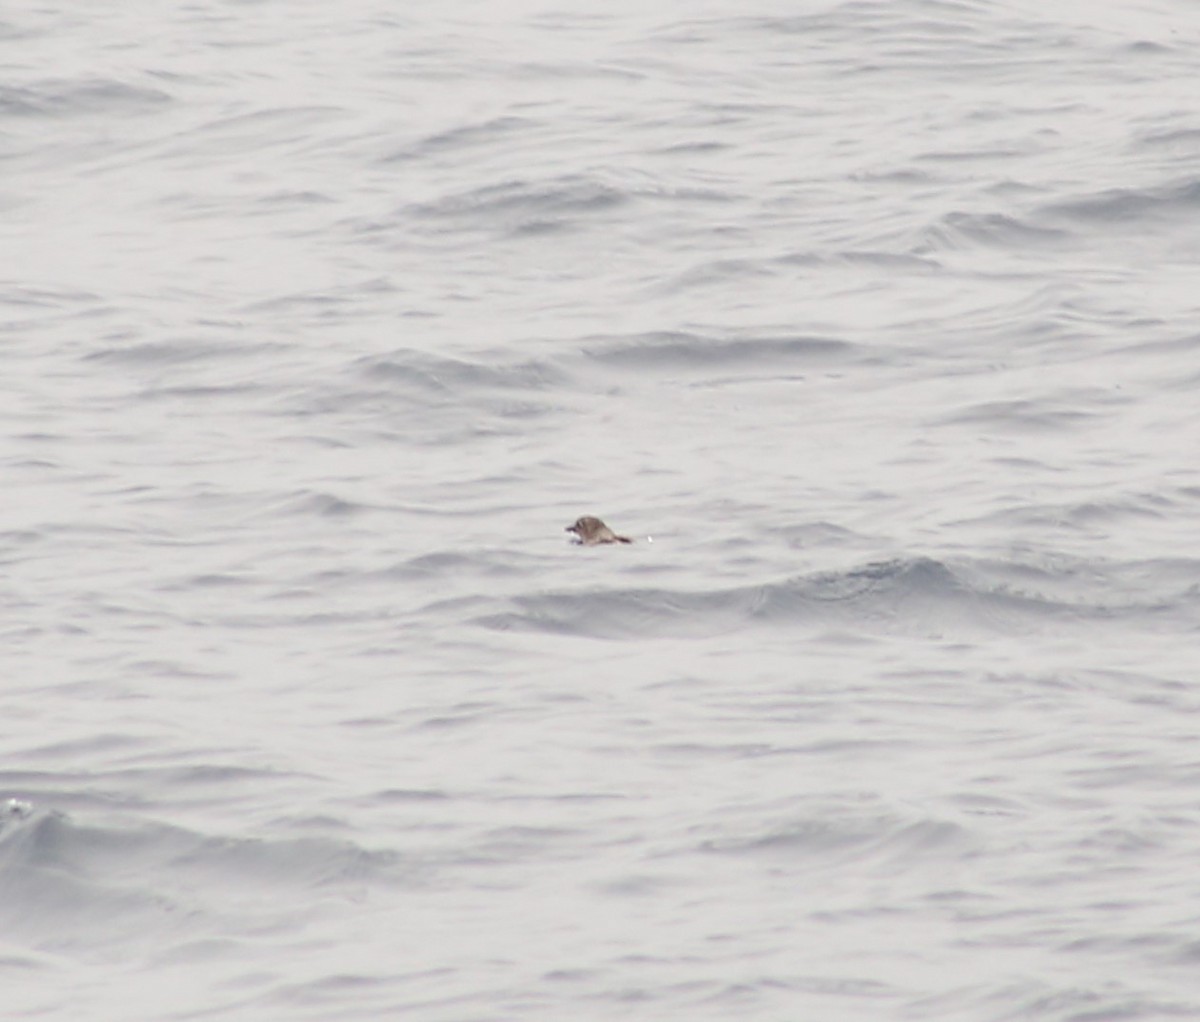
x=591 y=531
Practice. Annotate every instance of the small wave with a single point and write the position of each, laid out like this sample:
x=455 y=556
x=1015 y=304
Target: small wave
x=445 y=375
x=306 y=503
x=649 y=612
x=463 y=137
x=447 y=564
x=137 y=882
x=293 y=199
x=24 y=295
x=571 y=194
x=175 y=351
x=919 y=596
x=1175 y=202
x=281 y=127
x=1024 y=415
x=682 y=350
x=455 y=398
x=895 y=840
x=956 y=231
x=77 y=98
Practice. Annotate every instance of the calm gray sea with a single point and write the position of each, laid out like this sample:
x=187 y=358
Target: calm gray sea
x=873 y=322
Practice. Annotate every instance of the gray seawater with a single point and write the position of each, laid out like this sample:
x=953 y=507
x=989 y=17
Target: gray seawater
x=874 y=323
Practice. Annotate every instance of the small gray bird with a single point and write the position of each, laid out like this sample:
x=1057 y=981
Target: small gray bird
x=591 y=532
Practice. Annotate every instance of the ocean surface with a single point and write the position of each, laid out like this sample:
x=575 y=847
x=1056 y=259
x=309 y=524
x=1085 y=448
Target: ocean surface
x=875 y=323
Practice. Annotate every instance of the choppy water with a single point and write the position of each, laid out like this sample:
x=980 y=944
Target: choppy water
x=874 y=322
